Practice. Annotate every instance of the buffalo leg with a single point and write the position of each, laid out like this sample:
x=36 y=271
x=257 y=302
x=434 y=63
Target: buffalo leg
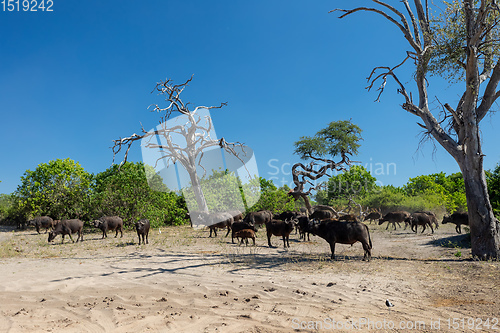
x=368 y=252
x=71 y=237
x=228 y=230
x=269 y=239
x=332 y=248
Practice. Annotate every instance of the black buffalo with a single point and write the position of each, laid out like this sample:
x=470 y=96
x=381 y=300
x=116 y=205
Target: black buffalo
x=422 y=219
x=220 y=220
x=258 y=218
x=240 y=225
x=142 y=228
x=279 y=228
x=109 y=223
x=458 y=219
x=344 y=233
x=42 y=222
x=394 y=217
x=67 y=227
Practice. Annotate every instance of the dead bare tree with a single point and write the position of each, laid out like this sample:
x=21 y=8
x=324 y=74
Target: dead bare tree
x=184 y=143
x=480 y=63
x=303 y=175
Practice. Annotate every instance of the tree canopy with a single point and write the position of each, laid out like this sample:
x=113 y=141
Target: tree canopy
x=338 y=137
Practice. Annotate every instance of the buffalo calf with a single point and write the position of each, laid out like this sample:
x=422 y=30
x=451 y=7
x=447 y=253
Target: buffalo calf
x=245 y=234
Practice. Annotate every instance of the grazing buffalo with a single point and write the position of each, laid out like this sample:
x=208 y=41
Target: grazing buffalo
x=417 y=219
x=142 y=228
x=394 y=217
x=245 y=234
x=109 y=223
x=458 y=219
x=343 y=233
x=258 y=218
x=279 y=228
x=373 y=216
x=220 y=220
x=67 y=227
x=42 y=222
x=240 y=225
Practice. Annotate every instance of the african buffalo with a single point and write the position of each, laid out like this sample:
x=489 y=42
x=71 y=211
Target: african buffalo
x=301 y=223
x=245 y=234
x=258 y=218
x=220 y=220
x=343 y=233
x=142 y=228
x=432 y=217
x=279 y=228
x=458 y=219
x=42 y=221
x=394 y=217
x=417 y=219
x=109 y=223
x=240 y=225
x=67 y=227
x=373 y=216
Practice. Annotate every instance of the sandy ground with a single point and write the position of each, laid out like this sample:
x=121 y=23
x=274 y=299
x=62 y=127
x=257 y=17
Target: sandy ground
x=183 y=281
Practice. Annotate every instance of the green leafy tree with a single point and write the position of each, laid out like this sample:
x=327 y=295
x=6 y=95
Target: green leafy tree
x=59 y=188
x=449 y=189
x=463 y=40
x=124 y=191
x=356 y=182
x=493 y=178
x=273 y=198
x=339 y=139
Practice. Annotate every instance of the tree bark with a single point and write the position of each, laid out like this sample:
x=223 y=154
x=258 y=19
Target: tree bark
x=484 y=227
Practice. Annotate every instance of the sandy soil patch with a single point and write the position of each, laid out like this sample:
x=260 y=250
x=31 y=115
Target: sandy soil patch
x=183 y=281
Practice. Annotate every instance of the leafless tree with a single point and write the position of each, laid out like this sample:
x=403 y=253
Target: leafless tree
x=303 y=176
x=184 y=143
x=482 y=75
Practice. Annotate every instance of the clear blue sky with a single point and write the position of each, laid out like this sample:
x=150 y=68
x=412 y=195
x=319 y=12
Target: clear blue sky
x=75 y=79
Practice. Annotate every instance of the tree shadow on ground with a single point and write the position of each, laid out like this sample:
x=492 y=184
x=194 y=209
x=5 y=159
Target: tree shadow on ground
x=461 y=241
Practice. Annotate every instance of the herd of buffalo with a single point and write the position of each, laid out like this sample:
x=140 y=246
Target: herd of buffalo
x=324 y=222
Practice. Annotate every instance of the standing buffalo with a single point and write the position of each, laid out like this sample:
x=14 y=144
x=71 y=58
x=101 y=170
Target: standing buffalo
x=142 y=228
x=67 y=227
x=220 y=220
x=417 y=219
x=245 y=234
x=258 y=218
x=343 y=233
x=239 y=225
x=109 y=223
x=394 y=217
x=42 y=221
x=458 y=219
x=279 y=228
